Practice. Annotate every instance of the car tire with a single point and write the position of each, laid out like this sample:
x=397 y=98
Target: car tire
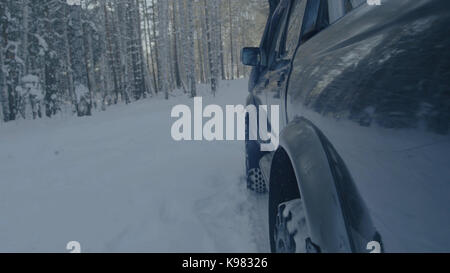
x=290 y=232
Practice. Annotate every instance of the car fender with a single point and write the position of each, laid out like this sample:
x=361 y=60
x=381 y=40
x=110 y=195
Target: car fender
x=316 y=184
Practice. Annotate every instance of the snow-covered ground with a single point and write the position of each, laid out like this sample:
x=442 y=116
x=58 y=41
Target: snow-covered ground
x=117 y=182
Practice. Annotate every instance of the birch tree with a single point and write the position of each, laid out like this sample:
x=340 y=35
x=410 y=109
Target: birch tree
x=212 y=46
x=3 y=93
x=230 y=17
x=163 y=41
x=190 y=52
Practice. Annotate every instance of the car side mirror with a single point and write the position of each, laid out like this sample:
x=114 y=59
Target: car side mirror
x=251 y=56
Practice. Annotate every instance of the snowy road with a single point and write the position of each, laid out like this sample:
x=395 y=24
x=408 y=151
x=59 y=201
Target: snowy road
x=117 y=182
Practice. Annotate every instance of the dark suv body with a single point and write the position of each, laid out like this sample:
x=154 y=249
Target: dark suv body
x=364 y=93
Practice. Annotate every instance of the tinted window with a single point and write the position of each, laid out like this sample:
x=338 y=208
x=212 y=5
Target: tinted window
x=294 y=27
x=269 y=32
x=277 y=29
x=356 y=3
x=320 y=14
x=339 y=8
x=336 y=9
x=315 y=19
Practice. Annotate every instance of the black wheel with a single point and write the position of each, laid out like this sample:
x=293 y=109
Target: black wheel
x=255 y=178
x=288 y=226
x=290 y=232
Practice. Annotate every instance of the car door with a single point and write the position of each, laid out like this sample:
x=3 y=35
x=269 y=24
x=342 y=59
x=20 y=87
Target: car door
x=284 y=34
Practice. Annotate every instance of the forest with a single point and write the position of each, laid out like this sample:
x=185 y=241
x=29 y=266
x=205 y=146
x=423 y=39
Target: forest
x=80 y=56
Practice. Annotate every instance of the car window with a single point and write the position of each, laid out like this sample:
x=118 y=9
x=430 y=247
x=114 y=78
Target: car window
x=294 y=27
x=277 y=29
x=280 y=47
x=339 y=8
x=315 y=19
x=319 y=14
x=336 y=9
x=357 y=3
x=264 y=42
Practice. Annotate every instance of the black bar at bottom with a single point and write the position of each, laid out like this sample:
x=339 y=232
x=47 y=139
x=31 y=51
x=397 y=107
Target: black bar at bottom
x=216 y=262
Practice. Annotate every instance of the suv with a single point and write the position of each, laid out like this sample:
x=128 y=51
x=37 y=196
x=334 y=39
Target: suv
x=364 y=93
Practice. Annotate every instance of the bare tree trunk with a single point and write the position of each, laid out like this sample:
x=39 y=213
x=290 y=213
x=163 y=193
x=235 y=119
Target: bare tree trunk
x=144 y=72
x=231 y=39
x=176 y=46
x=155 y=38
x=150 y=59
x=26 y=15
x=222 y=61
x=190 y=26
x=205 y=49
x=88 y=65
x=120 y=47
x=3 y=93
x=238 y=45
x=163 y=41
x=68 y=64
x=200 y=51
x=183 y=45
x=110 y=53
x=210 y=43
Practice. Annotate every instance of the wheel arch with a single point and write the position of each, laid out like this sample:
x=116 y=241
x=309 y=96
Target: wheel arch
x=301 y=147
